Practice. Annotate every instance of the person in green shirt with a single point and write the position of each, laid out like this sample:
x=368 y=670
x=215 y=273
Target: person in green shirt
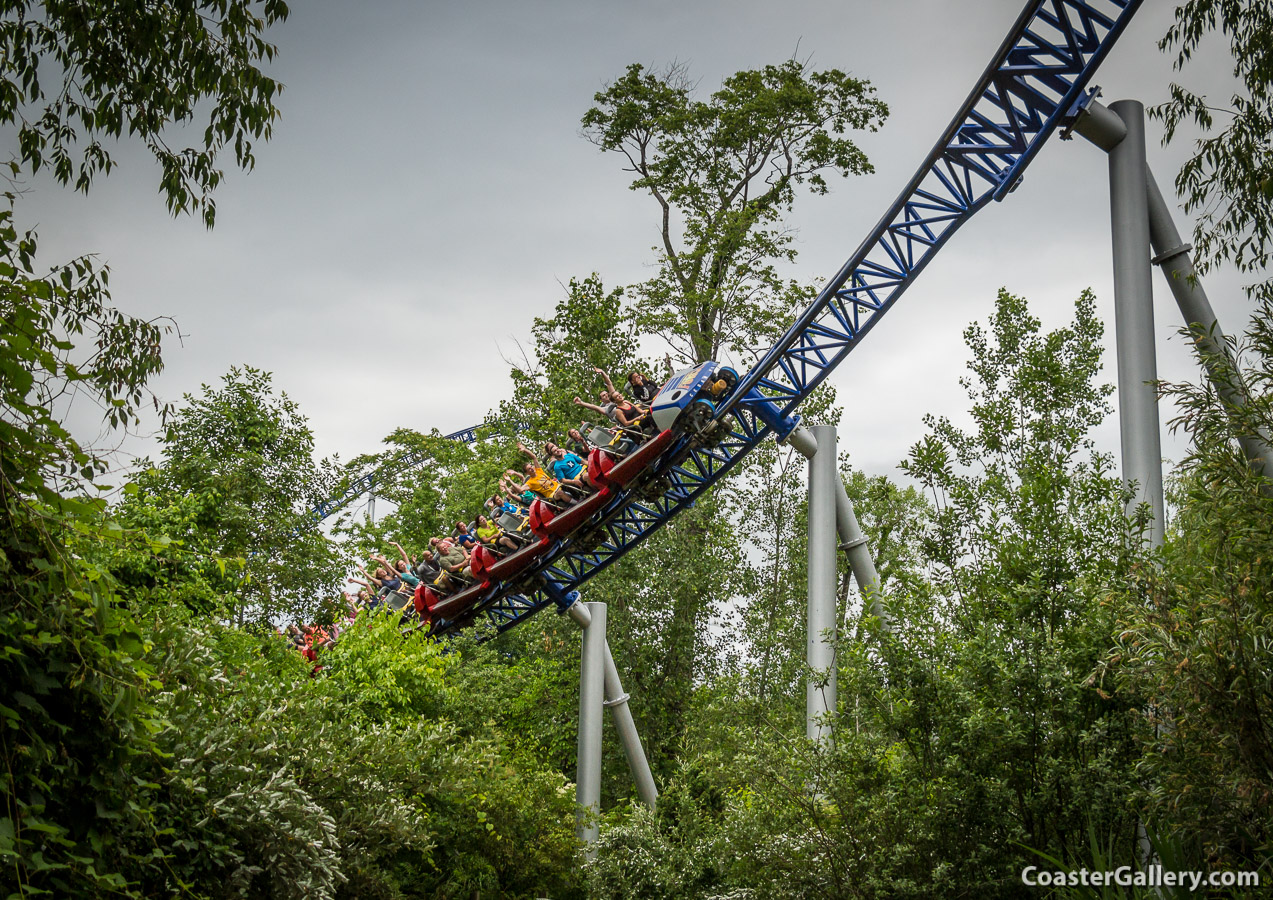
x=492 y=535
x=402 y=568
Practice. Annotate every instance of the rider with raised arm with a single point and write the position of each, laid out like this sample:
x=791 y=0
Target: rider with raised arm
x=537 y=482
x=568 y=468
x=579 y=445
x=643 y=390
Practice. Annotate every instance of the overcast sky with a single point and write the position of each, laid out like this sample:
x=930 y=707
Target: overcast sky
x=427 y=193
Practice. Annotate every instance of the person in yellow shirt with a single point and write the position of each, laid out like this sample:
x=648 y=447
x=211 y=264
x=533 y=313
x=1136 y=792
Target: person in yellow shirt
x=537 y=481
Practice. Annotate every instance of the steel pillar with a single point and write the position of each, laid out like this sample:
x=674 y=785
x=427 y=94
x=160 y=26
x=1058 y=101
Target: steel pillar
x=1134 y=318
x=1106 y=129
x=591 y=697
x=617 y=702
x=802 y=440
x=1172 y=256
x=853 y=543
x=824 y=484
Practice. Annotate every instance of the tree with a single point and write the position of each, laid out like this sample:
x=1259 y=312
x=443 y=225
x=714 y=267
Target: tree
x=143 y=69
x=72 y=688
x=589 y=329
x=1027 y=534
x=251 y=453
x=973 y=728
x=723 y=172
x=1228 y=181
x=1034 y=403
x=1192 y=634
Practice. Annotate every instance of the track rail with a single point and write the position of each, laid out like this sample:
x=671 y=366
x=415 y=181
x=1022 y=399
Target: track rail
x=1036 y=77
x=366 y=482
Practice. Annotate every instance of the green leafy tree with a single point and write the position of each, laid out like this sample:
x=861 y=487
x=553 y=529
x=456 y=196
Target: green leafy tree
x=1007 y=493
x=74 y=711
x=249 y=454
x=589 y=329
x=1027 y=533
x=185 y=567
x=893 y=519
x=75 y=74
x=723 y=172
x=373 y=780
x=1192 y=634
x=1228 y=181
x=767 y=503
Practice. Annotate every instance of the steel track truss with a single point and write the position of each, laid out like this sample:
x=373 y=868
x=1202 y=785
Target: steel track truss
x=1036 y=77
x=1038 y=74
x=366 y=482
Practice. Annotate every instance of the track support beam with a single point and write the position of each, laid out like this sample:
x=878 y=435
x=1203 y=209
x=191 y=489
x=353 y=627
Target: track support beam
x=824 y=484
x=1134 y=318
x=852 y=540
x=853 y=543
x=616 y=700
x=638 y=765
x=1104 y=128
x=591 y=698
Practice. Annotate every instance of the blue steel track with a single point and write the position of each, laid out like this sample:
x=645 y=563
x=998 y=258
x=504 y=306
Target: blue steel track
x=1034 y=81
x=366 y=483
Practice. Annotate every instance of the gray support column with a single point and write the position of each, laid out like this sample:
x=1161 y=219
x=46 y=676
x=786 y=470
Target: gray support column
x=617 y=703
x=853 y=543
x=1105 y=129
x=591 y=694
x=802 y=440
x=824 y=484
x=1101 y=125
x=1172 y=256
x=1134 y=317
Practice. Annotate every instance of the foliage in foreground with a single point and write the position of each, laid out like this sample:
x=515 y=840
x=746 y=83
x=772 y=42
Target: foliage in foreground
x=1194 y=635
x=149 y=751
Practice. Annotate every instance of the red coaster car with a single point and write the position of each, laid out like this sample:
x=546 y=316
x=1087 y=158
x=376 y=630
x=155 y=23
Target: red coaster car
x=504 y=569
x=547 y=522
x=425 y=601
x=604 y=470
x=454 y=606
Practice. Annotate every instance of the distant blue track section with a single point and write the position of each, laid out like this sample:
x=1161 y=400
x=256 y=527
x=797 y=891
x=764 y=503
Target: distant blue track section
x=365 y=483
x=1036 y=77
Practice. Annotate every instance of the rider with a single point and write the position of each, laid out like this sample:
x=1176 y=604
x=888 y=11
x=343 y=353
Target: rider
x=537 y=482
x=642 y=389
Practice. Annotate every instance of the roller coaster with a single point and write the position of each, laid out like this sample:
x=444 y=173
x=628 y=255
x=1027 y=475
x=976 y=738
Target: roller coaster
x=1035 y=83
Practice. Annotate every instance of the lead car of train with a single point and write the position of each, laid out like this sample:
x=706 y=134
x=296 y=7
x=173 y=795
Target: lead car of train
x=621 y=464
